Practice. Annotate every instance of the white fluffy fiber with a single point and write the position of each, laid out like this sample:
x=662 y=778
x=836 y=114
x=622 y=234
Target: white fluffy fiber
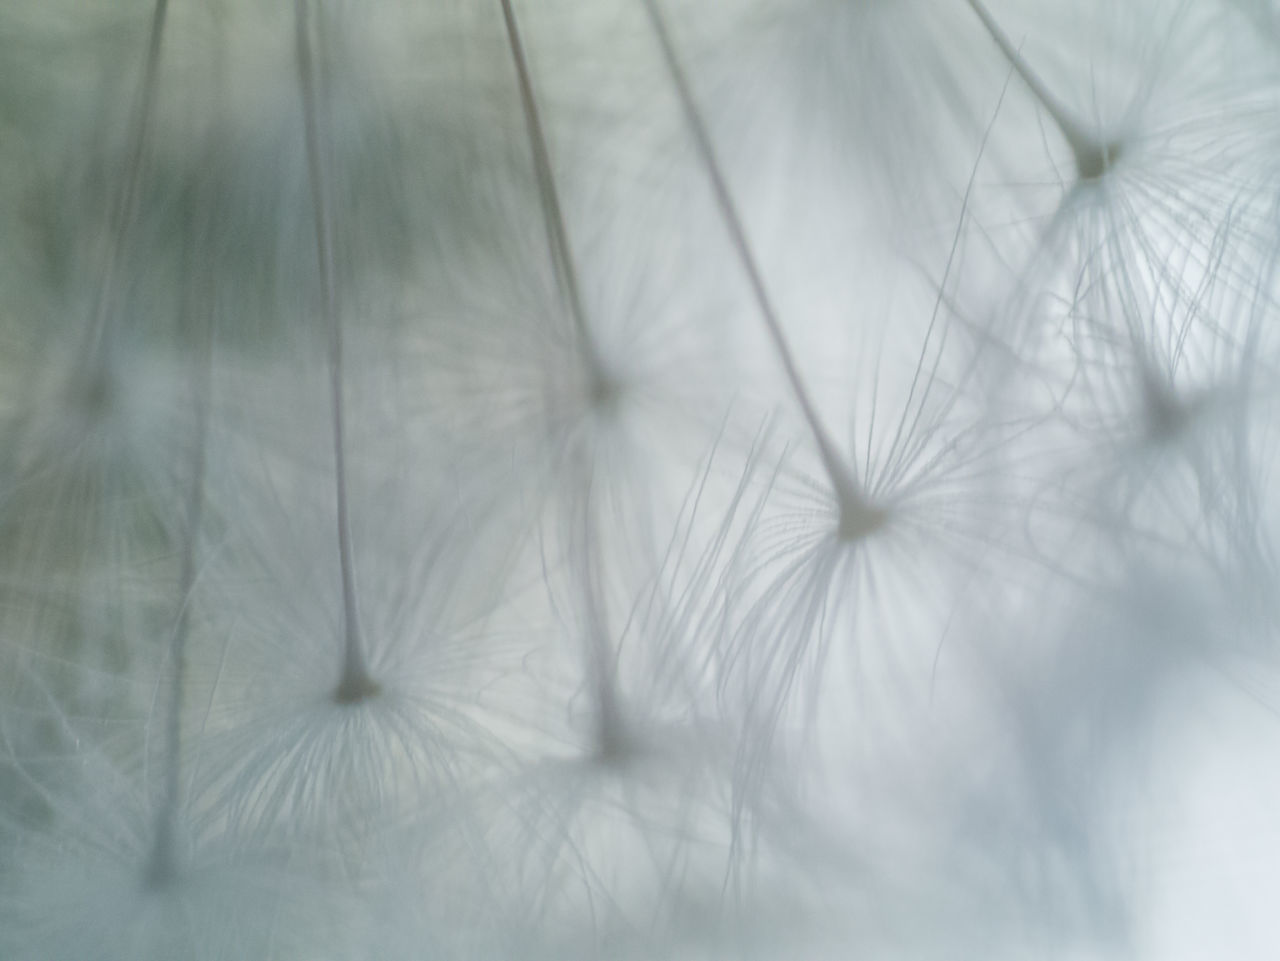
x=765 y=479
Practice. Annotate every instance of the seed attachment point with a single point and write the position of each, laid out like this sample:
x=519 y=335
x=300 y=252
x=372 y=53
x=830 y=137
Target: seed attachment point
x=355 y=688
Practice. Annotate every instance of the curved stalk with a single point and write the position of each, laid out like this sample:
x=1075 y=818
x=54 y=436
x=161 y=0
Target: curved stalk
x=1092 y=157
x=562 y=263
x=858 y=516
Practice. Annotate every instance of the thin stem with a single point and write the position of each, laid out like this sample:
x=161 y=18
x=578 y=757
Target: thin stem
x=600 y=659
x=163 y=865
x=126 y=212
x=562 y=263
x=355 y=683
x=610 y=736
x=858 y=516
x=1092 y=158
